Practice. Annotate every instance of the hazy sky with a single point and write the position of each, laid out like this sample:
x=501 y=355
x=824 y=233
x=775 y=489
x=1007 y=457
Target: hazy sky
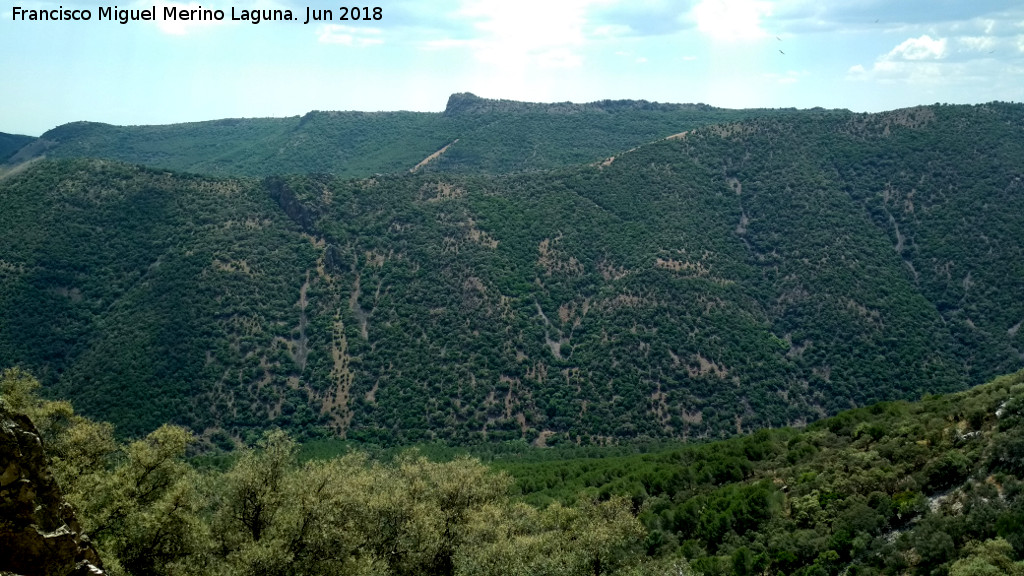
x=865 y=55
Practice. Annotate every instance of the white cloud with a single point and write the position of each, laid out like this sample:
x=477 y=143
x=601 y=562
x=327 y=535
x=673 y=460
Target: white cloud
x=446 y=43
x=977 y=43
x=923 y=48
x=515 y=36
x=789 y=77
x=915 y=60
x=559 y=58
x=349 y=35
x=972 y=60
x=731 y=20
x=612 y=30
x=512 y=47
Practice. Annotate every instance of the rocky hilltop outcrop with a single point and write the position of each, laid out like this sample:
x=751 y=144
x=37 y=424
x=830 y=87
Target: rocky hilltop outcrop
x=39 y=534
x=467 y=103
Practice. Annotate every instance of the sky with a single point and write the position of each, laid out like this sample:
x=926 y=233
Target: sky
x=862 y=55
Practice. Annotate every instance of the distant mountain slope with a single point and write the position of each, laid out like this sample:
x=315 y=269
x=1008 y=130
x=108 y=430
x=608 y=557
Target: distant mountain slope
x=11 y=143
x=494 y=136
x=736 y=277
x=120 y=276
x=942 y=183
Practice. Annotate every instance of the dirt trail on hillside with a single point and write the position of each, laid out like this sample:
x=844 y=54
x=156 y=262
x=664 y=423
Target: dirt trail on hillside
x=432 y=157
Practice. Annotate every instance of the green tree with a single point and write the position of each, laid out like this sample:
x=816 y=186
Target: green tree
x=253 y=489
x=18 y=390
x=143 y=511
x=988 y=558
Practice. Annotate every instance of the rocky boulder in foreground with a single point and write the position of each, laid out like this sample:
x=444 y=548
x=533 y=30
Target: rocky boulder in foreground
x=39 y=534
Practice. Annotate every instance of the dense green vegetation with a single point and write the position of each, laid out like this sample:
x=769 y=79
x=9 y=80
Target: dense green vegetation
x=115 y=278
x=947 y=219
x=493 y=137
x=754 y=274
x=929 y=487
x=566 y=292
x=149 y=512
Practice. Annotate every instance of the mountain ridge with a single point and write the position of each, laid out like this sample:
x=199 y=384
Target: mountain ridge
x=756 y=273
x=495 y=136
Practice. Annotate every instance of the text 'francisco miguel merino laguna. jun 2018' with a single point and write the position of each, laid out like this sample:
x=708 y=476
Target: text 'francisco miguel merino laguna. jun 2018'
x=198 y=14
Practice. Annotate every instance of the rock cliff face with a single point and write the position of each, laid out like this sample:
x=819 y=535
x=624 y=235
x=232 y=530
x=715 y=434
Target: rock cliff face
x=39 y=534
x=466 y=103
x=285 y=197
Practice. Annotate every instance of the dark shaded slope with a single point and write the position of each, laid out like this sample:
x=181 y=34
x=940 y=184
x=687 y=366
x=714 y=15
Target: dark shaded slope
x=947 y=185
x=11 y=143
x=130 y=290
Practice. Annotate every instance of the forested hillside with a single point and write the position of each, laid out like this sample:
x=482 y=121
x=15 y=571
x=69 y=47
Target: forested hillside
x=758 y=273
x=930 y=487
x=475 y=134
